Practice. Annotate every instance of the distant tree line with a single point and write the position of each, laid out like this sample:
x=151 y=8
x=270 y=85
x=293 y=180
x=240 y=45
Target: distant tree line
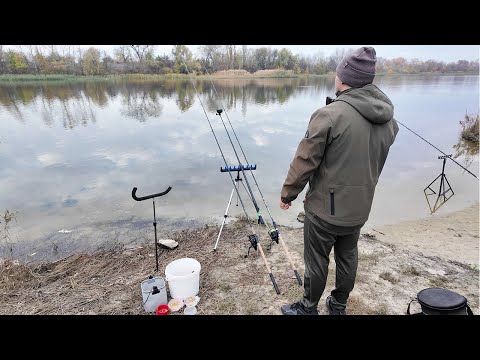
x=128 y=59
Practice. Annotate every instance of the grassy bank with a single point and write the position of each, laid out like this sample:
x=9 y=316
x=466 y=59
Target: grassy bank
x=7 y=78
x=56 y=77
x=235 y=74
x=108 y=280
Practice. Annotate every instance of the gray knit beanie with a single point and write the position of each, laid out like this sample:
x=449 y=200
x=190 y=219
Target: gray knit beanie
x=358 y=68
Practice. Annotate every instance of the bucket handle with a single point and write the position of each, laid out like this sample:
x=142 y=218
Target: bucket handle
x=469 y=310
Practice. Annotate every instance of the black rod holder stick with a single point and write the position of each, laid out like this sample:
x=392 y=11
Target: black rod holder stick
x=153 y=196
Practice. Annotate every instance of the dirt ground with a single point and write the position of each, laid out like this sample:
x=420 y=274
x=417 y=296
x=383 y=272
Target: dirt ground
x=392 y=269
x=453 y=236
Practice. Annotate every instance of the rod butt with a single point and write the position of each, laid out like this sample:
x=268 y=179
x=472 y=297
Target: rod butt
x=299 y=279
x=274 y=284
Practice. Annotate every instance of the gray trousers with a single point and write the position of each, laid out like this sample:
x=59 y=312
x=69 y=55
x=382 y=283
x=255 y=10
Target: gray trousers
x=318 y=243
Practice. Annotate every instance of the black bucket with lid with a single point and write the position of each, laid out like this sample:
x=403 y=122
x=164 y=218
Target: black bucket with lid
x=438 y=301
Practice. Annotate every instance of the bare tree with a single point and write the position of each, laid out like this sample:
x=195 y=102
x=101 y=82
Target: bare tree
x=244 y=56
x=122 y=54
x=141 y=50
x=80 y=59
x=53 y=49
x=230 y=51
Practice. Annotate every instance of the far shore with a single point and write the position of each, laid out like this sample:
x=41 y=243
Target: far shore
x=13 y=78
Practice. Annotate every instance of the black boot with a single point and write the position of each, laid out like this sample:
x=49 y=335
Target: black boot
x=334 y=307
x=297 y=309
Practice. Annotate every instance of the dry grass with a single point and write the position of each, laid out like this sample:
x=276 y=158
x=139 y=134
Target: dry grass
x=293 y=293
x=224 y=287
x=251 y=308
x=362 y=277
x=438 y=281
x=389 y=277
x=410 y=270
x=108 y=281
x=273 y=72
x=105 y=282
x=227 y=306
x=357 y=306
x=372 y=258
x=470 y=129
x=467 y=145
x=231 y=73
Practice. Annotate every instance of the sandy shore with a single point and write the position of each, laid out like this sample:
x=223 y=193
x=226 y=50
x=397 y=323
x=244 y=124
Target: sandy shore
x=454 y=236
x=393 y=268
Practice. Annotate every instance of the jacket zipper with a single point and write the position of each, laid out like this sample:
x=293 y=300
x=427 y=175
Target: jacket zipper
x=332 y=202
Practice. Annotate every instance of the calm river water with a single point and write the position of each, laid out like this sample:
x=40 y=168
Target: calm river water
x=70 y=153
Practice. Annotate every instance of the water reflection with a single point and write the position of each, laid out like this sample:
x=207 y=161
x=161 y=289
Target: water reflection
x=140 y=104
x=466 y=150
x=75 y=103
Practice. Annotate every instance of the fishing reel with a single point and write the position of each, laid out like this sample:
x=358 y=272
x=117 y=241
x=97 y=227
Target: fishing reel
x=260 y=220
x=253 y=243
x=329 y=100
x=273 y=237
x=219 y=112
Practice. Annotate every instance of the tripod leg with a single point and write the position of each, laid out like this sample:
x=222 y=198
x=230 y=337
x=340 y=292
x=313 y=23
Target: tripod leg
x=238 y=196
x=155 y=227
x=224 y=219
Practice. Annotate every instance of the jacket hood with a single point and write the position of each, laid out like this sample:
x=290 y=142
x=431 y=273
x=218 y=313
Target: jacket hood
x=369 y=101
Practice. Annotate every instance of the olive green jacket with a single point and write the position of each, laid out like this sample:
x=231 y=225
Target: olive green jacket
x=342 y=155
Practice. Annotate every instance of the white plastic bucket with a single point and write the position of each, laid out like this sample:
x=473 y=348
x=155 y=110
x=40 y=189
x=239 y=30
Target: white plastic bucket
x=183 y=277
x=151 y=301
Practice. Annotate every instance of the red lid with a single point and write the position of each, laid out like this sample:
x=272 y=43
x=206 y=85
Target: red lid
x=162 y=310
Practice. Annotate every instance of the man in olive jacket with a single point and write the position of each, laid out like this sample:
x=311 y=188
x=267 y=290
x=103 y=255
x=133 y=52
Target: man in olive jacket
x=341 y=157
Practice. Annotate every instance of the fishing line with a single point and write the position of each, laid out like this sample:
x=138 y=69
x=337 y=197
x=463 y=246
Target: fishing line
x=428 y=142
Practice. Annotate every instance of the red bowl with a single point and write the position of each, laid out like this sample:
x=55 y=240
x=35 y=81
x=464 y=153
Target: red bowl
x=162 y=310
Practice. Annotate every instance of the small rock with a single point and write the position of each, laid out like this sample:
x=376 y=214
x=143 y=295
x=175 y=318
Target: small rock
x=168 y=243
x=458 y=235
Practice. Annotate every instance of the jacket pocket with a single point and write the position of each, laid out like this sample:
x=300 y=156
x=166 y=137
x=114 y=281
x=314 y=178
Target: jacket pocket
x=332 y=202
x=350 y=203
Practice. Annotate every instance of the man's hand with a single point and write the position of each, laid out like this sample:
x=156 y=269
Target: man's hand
x=284 y=206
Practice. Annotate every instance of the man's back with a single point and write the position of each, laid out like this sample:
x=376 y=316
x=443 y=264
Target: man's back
x=358 y=129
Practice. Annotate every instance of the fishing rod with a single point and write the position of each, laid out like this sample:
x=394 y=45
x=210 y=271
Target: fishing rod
x=253 y=238
x=274 y=233
x=447 y=156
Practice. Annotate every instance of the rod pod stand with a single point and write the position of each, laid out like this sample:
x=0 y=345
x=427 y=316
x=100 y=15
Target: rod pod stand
x=442 y=198
x=238 y=179
x=269 y=271
x=274 y=235
x=153 y=196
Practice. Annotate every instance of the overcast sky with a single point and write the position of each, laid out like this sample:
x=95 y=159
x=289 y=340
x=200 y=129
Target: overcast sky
x=445 y=53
